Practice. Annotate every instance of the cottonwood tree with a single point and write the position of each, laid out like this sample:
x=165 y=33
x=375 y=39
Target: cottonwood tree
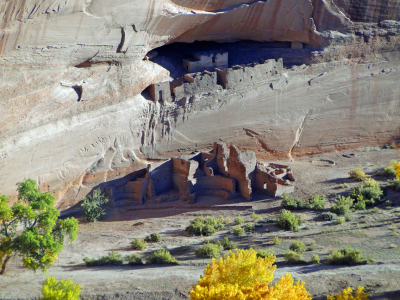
x=31 y=228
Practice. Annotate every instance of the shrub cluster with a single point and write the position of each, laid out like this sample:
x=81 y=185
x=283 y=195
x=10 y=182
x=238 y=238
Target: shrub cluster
x=288 y=220
x=276 y=240
x=161 y=256
x=342 y=206
x=209 y=250
x=113 y=258
x=238 y=220
x=238 y=231
x=347 y=256
x=315 y=259
x=227 y=244
x=316 y=202
x=249 y=227
x=205 y=226
x=264 y=253
x=133 y=259
x=298 y=247
x=368 y=194
x=292 y=257
x=154 y=237
x=390 y=170
x=328 y=216
x=138 y=244
x=357 y=174
x=254 y=216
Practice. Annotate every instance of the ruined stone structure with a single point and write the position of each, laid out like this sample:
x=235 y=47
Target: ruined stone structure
x=206 y=61
x=239 y=76
x=226 y=172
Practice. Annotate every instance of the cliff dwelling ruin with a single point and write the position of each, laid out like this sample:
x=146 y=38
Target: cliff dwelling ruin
x=225 y=172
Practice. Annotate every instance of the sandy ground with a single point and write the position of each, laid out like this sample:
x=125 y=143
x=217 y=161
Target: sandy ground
x=376 y=234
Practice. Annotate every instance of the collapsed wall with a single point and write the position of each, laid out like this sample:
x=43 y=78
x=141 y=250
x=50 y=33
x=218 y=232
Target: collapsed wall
x=225 y=172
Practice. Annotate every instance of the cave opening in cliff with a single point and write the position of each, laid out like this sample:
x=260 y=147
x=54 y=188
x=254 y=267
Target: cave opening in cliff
x=170 y=56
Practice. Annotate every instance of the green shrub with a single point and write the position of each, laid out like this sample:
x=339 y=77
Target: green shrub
x=209 y=250
x=254 y=216
x=238 y=220
x=223 y=220
x=62 y=290
x=294 y=203
x=113 y=258
x=390 y=170
x=292 y=257
x=227 y=244
x=317 y=202
x=248 y=227
x=346 y=256
x=155 y=237
x=298 y=246
x=138 y=244
x=263 y=253
x=93 y=206
x=357 y=174
x=342 y=206
x=395 y=184
x=238 y=231
x=311 y=246
x=315 y=259
x=368 y=194
x=276 y=240
x=204 y=226
x=161 y=256
x=266 y=220
x=133 y=259
x=287 y=220
x=328 y=216
x=340 y=220
x=347 y=218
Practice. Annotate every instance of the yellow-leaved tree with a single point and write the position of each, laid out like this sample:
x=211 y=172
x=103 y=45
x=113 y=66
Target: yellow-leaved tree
x=397 y=169
x=347 y=294
x=241 y=275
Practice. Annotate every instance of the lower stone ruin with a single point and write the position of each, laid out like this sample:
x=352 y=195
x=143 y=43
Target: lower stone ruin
x=225 y=172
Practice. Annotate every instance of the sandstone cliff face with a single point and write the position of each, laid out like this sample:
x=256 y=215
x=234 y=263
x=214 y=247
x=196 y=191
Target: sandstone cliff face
x=72 y=74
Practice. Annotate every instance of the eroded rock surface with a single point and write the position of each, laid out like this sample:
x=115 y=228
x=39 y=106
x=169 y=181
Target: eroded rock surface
x=74 y=77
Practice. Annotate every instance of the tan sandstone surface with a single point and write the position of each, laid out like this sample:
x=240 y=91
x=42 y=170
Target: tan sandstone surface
x=72 y=76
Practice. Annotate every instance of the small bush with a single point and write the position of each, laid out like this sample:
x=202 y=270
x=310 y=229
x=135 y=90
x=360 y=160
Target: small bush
x=347 y=218
x=315 y=259
x=223 y=220
x=328 y=216
x=161 y=256
x=254 y=216
x=208 y=250
x=346 y=256
x=287 y=220
x=294 y=203
x=347 y=294
x=238 y=231
x=227 y=244
x=311 y=246
x=340 y=220
x=62 y=290
x=267 y=220
x=204 y=226
x=155 y=237
x=298 y=247
x=238 y=220
x=138 y=244
x=93 y=206
x=113 y=258
x=395 y=184
x=342 y=206
x=357 y=174
x=248 y=227
x=133 y=259
x=276 y=240
x=390 y=170
x=317 y=202
x=368 y=194
x=292 y=257
x=263 y=253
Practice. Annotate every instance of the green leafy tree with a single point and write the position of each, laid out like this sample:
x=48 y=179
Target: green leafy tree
x=93 y=206
x=62 y=290
x=42 y=236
